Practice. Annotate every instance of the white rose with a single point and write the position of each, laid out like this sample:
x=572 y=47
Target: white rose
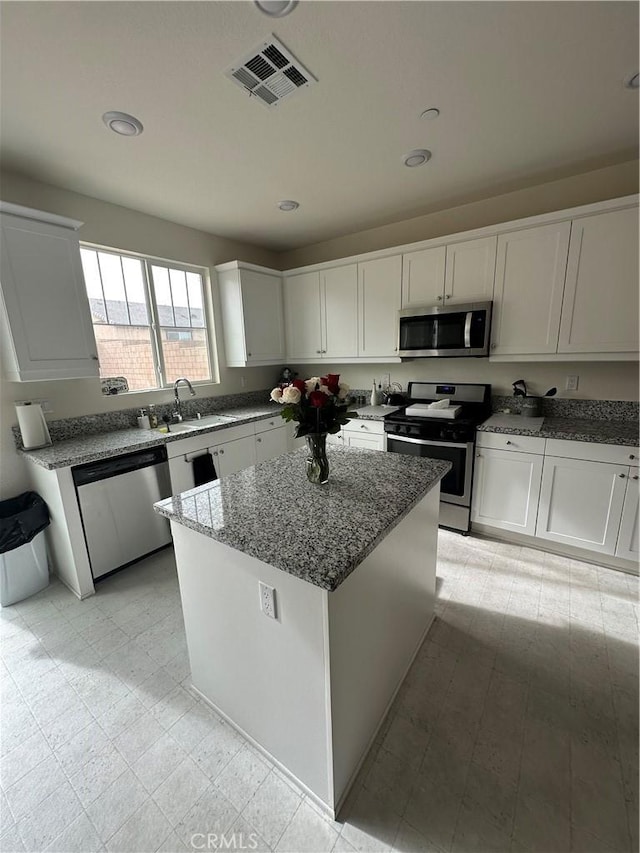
x=310 y=384
x=325 y=390
x=276 y=395
x=344 y=391
x=291 y=395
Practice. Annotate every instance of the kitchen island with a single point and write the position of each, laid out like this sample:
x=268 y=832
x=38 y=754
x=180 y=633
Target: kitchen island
x=353 y=566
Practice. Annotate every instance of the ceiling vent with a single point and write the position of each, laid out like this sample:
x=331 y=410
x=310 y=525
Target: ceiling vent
x=270 y=73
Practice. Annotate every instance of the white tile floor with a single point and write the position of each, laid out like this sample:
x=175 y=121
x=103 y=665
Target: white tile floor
x=516 y=730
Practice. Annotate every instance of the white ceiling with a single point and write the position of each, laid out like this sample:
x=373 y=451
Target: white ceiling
x=523 y=88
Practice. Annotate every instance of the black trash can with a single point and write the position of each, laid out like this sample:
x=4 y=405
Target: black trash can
x=24 y=569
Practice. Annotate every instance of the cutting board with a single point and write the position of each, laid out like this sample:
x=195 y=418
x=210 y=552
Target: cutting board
x=422 y=410
x=514 y=422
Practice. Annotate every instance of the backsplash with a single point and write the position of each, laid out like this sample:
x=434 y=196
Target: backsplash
x=65 y=428
x=558 y=407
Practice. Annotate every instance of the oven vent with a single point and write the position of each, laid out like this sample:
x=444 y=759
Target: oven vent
x=270 y=73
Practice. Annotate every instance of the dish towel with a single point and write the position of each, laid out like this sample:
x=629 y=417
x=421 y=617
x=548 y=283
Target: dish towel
x=204 y=470
x=440 y=404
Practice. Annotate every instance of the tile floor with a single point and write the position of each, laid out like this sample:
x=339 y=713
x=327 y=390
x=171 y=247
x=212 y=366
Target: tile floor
x=516 y=729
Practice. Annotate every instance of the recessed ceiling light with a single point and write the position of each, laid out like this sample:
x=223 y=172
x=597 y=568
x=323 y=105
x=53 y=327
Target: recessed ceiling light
x=632 y=82
x=123 y=123
x=276 y=8
x=431 y=113
x=417 y=157
x=288 y=205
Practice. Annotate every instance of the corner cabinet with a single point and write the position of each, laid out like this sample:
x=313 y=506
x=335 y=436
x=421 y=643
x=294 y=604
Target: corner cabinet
x=252 y=314
x=47 y=331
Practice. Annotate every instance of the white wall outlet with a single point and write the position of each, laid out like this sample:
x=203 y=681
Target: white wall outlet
x=572 y=383
x=47 y=408
x=267 y=600
x=243 y=381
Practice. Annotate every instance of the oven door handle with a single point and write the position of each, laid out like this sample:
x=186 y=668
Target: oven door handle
x=429 y=443
x=467 y=330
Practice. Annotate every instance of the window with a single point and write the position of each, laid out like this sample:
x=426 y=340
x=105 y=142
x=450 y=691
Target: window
x=149 y=319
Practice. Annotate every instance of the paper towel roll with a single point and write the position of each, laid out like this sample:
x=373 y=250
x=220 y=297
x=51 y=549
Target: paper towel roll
x=33 y=426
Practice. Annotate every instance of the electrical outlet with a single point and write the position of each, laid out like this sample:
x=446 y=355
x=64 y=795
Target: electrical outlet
x=572 y=383
x=267 y=600
x=243 y=381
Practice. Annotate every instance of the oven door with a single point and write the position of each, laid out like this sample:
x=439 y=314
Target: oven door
x=455 y=487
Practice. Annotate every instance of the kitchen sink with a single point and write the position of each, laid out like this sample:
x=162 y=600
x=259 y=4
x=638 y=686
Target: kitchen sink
x=199 y=423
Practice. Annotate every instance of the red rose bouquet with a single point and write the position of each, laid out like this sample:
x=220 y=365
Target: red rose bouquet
x=317 y=404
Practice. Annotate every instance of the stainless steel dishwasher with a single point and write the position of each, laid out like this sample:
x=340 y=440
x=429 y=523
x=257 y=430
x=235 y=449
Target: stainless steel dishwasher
x=116 y=498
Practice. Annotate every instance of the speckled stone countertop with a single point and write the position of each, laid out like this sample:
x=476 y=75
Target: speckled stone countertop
x=573 y=429
x=89 y=448
x=317 y=533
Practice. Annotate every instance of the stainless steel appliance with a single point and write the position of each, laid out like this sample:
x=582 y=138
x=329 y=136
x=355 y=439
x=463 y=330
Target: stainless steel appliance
x=432 y=435
x=445 y=331
x=116 y=498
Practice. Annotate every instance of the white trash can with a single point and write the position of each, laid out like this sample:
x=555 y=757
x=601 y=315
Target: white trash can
x=24 y=569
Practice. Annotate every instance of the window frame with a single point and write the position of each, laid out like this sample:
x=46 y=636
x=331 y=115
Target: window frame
x=147 y=262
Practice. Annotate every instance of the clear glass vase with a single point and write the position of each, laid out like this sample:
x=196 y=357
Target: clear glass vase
x=317 y=462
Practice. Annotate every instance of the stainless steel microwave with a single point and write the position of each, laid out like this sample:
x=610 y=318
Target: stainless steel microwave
x=445 y=331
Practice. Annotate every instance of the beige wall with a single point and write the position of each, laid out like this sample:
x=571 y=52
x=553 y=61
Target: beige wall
x=120 y=228
x=598 y=185
x=597 y=380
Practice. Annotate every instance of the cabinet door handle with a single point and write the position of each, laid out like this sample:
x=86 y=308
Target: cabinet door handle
x=635 y=477
x=439 y=298
x=221 y=452
x=493 y=346
x=258 y=439
x=509 y=442
x=95 y=358
x=632 y=456
x=248 y=355
x=215 y=452
x=447 y=296
x=478 y=455
x=319 y=351
x=622 y=476
x=362 y=426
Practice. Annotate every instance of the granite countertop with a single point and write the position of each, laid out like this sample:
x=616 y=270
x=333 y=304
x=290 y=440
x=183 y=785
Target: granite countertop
x=572 y=429
x=317 y=533
x=89 y=448
x=375 y=413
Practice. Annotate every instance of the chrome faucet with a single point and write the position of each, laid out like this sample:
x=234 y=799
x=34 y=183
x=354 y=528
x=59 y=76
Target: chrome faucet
x=177 y=413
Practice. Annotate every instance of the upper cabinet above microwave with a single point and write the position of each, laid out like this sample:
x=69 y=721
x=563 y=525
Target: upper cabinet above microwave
x=47 y=331
x=459 y=272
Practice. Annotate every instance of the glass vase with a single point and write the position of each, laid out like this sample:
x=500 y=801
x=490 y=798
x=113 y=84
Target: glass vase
x=317 y=462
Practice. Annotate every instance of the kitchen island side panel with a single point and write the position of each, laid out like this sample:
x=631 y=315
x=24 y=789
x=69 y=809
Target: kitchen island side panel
x=267 y=676
x=378 y=619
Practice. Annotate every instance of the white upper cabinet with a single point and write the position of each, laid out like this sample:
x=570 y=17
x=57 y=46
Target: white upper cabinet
x=459 y=272
x=339 y=311
x=302 y=311
x=379 y=284
x=529 y=283
x=423 y=277
x=47 y=330
x=470 y=270
x=600 y=308
x=252 y=314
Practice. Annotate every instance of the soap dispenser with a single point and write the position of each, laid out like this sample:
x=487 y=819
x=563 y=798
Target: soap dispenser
x=374 y=394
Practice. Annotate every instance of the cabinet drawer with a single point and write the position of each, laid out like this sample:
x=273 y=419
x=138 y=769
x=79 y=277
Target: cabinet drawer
x=191 y=443
x=272 y=423
x=365 y=427
x=592 y=452
x=504 y=441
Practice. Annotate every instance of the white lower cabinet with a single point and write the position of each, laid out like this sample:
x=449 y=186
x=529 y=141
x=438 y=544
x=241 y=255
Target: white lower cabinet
x=628 y=547
x=507 y=489
x=232 y=456
x=367 y=434
x=271 y=443
x=581 y=503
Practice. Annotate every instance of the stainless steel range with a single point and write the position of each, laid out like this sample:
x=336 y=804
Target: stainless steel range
x=443 y=434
